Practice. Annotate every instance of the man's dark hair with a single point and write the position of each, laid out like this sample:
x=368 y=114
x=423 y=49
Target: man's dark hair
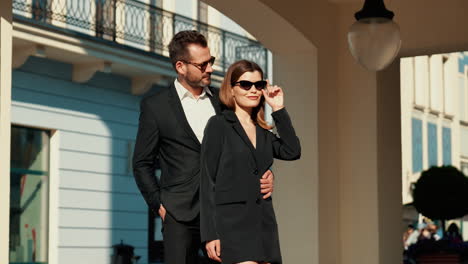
x=178 y=46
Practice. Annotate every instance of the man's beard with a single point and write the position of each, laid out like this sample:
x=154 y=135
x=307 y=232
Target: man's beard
x=206 y=83
x=202 y=83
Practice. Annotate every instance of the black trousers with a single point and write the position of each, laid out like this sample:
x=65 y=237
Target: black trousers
x=182 y=242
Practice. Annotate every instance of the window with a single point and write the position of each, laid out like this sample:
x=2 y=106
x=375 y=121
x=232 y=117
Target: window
x=417 y=145
x=432 y=144
x=447 y=145
x=29 y=195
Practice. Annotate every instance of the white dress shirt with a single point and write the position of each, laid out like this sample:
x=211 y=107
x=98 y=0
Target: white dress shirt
x=197 y=110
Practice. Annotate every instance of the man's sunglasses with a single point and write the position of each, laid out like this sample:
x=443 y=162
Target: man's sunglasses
x=246 y=85
x=202 y=66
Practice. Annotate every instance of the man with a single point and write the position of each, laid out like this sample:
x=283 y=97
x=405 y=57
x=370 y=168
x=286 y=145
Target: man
x=171 y=128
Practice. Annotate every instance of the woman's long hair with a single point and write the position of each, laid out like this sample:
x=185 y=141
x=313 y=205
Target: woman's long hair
x=233 y=74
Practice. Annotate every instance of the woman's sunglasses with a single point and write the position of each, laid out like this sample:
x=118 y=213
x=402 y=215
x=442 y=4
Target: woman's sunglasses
x=246 y=85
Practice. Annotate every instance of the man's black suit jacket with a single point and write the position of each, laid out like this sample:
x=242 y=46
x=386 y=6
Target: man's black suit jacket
x=165 y=133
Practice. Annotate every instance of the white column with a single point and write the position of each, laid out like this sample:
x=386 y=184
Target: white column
x=407 y=101
x=5 y=105
x=369 y=159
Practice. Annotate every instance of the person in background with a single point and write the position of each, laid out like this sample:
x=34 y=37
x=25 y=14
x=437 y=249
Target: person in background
x=409 y=231
x=453 y=234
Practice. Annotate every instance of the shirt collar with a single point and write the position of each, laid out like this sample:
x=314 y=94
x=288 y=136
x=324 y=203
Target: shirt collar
x=182 y=92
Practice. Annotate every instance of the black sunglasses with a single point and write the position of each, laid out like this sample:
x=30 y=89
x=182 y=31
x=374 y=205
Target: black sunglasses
x=202 y=66
x=246 y=85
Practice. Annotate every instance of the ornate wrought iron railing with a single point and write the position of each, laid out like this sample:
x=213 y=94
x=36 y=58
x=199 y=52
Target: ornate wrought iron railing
x=138 y=25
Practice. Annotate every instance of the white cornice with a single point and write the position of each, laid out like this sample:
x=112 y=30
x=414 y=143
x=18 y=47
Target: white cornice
x=73 y=49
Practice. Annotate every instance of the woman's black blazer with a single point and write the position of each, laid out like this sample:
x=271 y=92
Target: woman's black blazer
x=231 y=167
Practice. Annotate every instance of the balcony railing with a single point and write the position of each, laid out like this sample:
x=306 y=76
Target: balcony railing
x=138 y=25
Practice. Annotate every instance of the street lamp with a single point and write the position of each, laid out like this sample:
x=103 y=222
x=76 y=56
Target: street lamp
x=374 y=39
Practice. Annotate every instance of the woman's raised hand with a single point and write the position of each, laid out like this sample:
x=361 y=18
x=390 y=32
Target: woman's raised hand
x=274 y=96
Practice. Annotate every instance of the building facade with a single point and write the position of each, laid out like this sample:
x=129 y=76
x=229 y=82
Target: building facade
x=80 y=68
x=434 y=105
x=348 y=181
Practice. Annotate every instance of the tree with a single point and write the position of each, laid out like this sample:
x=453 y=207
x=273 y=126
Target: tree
x=441 y=193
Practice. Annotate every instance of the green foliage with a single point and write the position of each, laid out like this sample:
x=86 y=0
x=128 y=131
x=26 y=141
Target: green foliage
x=442 y=193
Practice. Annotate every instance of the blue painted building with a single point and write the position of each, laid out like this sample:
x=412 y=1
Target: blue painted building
x=93 y=124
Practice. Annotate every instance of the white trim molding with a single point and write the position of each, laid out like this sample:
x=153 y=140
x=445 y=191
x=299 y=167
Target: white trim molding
x=74 y=50
x=6 y=46
x=54 y=179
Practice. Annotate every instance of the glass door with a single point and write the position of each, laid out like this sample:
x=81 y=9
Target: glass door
x=29 y=195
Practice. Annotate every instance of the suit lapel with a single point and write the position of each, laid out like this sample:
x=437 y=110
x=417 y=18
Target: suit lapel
x=260 y=134
x=176 y=106
x=231 y=116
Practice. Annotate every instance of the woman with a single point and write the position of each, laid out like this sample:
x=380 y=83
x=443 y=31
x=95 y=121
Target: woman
x=237 y=224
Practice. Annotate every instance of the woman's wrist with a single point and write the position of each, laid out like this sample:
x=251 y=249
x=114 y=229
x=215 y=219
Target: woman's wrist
x=276 y=108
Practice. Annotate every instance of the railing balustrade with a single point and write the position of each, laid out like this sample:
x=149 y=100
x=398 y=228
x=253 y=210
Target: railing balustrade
x=137 y=24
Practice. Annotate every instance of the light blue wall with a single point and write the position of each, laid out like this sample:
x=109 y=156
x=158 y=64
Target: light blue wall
x=99 y=203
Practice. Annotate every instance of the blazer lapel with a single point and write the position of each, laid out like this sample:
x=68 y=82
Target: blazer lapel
x=180 y=114
x=231 y=116
x=260 y=134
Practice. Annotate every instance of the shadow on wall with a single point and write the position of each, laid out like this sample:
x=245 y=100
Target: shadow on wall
x=99 y=203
